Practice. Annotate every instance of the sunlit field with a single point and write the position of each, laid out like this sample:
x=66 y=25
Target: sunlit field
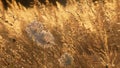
x=79 y=34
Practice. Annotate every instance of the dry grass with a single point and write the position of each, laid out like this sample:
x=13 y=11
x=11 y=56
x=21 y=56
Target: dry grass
x=87 y=31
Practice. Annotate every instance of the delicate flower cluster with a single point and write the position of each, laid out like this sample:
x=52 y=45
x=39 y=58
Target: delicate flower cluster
x=38 y=34
x=66 y=60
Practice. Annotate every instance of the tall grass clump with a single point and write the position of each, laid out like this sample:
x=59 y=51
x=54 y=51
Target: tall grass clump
x=85 y=34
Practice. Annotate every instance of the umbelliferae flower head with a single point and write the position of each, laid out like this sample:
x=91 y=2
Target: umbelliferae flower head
x=66 y=60
x=37 y=32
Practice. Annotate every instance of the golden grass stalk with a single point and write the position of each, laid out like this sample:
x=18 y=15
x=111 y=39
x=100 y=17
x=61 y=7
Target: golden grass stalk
x=84 y=29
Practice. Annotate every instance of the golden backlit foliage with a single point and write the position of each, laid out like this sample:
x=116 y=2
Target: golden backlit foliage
x=85 y=30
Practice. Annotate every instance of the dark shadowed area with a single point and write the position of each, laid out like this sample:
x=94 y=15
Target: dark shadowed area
x=29 y=3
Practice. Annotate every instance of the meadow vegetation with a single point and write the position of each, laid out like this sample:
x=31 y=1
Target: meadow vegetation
x=86 y=33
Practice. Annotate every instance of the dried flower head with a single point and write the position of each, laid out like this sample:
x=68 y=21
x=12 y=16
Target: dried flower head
x=66 y=60
x=37 y=32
